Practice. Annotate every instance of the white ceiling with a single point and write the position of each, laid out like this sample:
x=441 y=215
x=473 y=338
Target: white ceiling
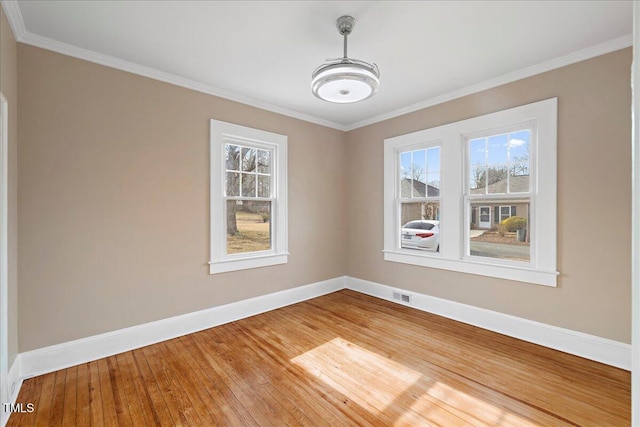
x=263 y=52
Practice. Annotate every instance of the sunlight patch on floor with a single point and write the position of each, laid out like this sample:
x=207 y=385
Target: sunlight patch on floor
x=393 y=387
x=345 y=367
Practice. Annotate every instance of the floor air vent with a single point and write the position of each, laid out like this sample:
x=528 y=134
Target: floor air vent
x=403 y=298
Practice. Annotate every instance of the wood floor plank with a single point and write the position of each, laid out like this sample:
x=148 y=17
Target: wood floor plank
x=123 y=416
x=171 y=389
x=69 y=410
x=135 y=402
x=57 y=399
x=229 y=409
x=342 y=359
x=109 y=409
x=291 y=414
x=161 y=413
x=239 y=382
x=283 y=378
x=144 y=410
x=83 y=397
x=43 y=410
x=176 y=358
x=95 y=394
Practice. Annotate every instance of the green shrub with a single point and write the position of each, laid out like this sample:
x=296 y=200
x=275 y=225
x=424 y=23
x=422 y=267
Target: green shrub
x=512 y=224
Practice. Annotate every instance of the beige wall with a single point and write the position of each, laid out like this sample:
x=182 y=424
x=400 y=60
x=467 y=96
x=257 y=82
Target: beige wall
x=9 y=88
x=114 y=194
x=594 y=201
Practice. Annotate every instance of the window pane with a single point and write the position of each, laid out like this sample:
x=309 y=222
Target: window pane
x=419 y=185
x=405 y=165
x=420 y=226
x=419 y=164
x=499 y=163
x=233 y=183
x=264 y=184
x=420 y=173
x=248 y=226
x=405 y=175
x=505 y=212
x=248 y=159
x=477 y=180
x=433 y=185
x=498 y=148
x=248 y=185
x=433 y=160
x=264 y=161
x=232 y=157
x=405 y=187
x=508 y=238
x=519 y=146
x=497 y=179
x=518 y=183
x=477 y=151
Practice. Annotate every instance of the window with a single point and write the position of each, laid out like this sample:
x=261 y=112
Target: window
x=478 y=183
x=507 y=212
x=248 y=198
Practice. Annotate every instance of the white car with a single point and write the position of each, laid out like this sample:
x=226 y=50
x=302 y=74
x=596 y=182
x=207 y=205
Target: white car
x=421 y=234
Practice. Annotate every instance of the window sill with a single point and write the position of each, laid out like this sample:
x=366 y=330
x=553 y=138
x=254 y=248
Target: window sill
x=247 y=262
x=509 y=272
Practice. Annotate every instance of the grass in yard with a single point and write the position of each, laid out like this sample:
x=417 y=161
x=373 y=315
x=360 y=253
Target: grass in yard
x=253 y=234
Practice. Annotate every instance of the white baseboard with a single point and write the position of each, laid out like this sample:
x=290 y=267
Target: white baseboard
x=64 y=355
x=591 y=347
x=15 y=381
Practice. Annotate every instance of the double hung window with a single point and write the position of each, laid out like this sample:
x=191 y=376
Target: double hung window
x=487 y=188
x=248 y=198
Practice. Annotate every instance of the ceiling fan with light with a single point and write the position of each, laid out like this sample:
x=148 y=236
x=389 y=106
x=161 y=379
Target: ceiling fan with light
x=345 y=80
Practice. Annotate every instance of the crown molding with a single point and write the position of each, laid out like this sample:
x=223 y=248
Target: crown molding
x=16 y=21
x=572 y=58
x=14 y=16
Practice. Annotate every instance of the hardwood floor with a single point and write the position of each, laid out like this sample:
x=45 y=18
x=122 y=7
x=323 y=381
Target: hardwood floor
x=341 y=359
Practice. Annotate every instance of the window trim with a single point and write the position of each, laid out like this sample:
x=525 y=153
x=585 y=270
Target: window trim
x=454 y=214
x=221 y=134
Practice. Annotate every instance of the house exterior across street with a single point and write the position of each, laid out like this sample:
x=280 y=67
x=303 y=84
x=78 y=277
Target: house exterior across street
x=485 y=214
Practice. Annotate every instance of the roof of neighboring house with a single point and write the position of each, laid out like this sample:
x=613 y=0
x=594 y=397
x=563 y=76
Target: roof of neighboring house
x=418 y=188
x=517 y=184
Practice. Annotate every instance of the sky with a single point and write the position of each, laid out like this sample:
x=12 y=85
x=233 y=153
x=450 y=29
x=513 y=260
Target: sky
x=500 y=149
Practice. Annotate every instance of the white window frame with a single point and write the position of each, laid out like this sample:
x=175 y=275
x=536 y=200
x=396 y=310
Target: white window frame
x=223 y=133
x=455 y=216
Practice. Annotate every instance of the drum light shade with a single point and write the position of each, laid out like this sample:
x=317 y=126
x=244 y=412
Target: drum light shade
x=345 y=80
